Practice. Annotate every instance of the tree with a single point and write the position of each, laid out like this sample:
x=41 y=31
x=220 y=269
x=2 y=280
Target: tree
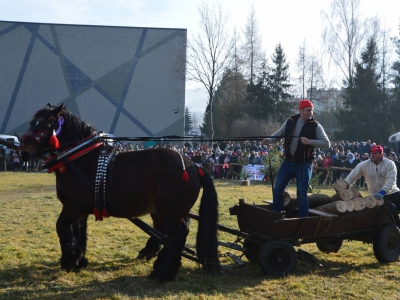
x=228 y=103
x=302 y=66
x=279 y=83
x=188 y=120
x=362 y=117
x=315 y=76
x=261 y=104
x=385 y=68
x=253 y=55
x=344 y=34
x=394 y=105
x=209 y=54
x=311 y=71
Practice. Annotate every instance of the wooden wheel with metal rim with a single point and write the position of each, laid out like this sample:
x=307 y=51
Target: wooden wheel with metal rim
x=329 y=246
x=387 y=243
x=277 y=258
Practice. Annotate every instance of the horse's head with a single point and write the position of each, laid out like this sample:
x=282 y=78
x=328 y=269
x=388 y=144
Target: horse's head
x=38 y=139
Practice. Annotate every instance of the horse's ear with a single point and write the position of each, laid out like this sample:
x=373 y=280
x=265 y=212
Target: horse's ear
x=57 y=111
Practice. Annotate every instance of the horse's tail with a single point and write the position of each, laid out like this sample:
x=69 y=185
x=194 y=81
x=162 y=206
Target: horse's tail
x=207 y=240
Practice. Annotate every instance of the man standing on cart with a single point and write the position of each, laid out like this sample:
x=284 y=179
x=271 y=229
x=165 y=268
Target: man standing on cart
x=302 y=135
x=380 y=174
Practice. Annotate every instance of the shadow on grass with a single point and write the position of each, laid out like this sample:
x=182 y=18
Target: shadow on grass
x=46 y=281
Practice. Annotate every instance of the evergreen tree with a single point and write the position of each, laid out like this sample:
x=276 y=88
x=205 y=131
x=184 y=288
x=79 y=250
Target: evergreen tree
x=188 y=120
x=228 y=103
x=362 y=117
x=279 y=84
x=261 y=104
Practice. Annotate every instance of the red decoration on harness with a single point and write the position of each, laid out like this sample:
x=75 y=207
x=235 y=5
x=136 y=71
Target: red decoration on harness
x=97 y=214
x=55 y=144
x=185 y=175
x=105 y=213
x=61 y=168
x=200 y=171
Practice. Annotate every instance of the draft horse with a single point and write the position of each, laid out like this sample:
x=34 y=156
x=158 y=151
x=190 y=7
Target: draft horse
x=91 y=179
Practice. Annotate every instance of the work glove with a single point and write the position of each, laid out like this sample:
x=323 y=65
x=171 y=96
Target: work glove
x=379 y=196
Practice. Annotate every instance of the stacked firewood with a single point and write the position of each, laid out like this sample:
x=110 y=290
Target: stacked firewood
x=345 y=200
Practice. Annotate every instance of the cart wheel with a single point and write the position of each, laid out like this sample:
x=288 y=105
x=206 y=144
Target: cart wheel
x=329 y=246
x=386 y=243
x=252 y=250
x=277 y=258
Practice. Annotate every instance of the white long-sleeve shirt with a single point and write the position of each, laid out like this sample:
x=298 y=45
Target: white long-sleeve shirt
x=379 y=177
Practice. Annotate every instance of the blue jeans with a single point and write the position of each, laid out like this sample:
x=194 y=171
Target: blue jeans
x=302 y=172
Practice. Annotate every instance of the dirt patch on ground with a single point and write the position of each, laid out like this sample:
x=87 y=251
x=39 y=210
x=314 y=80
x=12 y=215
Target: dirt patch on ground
x=26 y=193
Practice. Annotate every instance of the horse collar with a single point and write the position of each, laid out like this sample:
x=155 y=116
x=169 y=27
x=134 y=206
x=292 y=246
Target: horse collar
x=83 y=147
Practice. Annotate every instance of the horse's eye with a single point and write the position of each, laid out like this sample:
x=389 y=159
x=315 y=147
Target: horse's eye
x=46 y=125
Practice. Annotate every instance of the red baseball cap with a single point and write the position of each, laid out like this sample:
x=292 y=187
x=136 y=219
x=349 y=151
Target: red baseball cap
x=305 y=103
x=377 y=149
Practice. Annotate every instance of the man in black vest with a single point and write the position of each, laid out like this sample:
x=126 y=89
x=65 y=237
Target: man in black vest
x=302 y=135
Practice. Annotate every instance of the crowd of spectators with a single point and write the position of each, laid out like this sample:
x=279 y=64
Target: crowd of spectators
x=219 y=157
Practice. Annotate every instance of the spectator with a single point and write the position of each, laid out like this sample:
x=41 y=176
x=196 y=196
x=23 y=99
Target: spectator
x=256 y=159
x=326 y=164
x=16 y=161
x=367 y=147
x=337 y=163
x=226 y=166
x=235 y=168
x=348 y=165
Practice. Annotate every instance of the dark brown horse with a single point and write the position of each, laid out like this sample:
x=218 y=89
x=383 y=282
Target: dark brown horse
x=159 y=182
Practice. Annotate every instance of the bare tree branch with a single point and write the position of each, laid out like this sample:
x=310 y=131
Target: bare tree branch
x=209 y=52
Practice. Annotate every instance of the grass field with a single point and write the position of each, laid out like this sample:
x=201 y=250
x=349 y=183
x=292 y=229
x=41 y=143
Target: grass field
x=30 y=252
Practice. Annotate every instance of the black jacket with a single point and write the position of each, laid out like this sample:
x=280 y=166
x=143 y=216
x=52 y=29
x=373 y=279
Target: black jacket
x=303 y=153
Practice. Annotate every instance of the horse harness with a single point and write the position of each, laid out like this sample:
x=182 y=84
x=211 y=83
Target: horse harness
x=105 y=162
x=106 y=158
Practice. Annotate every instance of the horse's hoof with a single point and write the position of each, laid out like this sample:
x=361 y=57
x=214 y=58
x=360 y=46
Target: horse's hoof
x=69 y=268
x=160 y=277
x=157 y=279
x=140 y=257
x=83 y=263
x=146 y=256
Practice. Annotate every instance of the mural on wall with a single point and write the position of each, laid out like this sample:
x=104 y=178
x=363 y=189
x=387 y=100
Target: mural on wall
x=123 y=80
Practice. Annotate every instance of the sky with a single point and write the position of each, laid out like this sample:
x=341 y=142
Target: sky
x=289 y=22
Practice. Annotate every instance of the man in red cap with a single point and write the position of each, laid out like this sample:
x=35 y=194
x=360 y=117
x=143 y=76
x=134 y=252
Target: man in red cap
x=380 y=174
x=302 y=135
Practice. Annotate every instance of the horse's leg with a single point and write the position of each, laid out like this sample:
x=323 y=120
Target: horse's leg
x=153 y=244
x=71 y=252
x=168 y=260
x=163 y=253
x=79 y=228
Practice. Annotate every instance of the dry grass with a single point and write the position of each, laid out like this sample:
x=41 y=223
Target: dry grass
x=29 y=254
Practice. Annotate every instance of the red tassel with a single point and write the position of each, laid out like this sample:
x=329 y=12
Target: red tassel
x=200 y=171
x=185 y=175
x=55 y=144
x=105 y=213
x=97 y=214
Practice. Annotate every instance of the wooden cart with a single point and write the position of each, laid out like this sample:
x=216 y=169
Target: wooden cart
x=270 y=237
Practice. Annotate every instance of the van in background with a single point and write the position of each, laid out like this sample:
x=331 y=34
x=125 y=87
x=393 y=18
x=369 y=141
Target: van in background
x=9 y=138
